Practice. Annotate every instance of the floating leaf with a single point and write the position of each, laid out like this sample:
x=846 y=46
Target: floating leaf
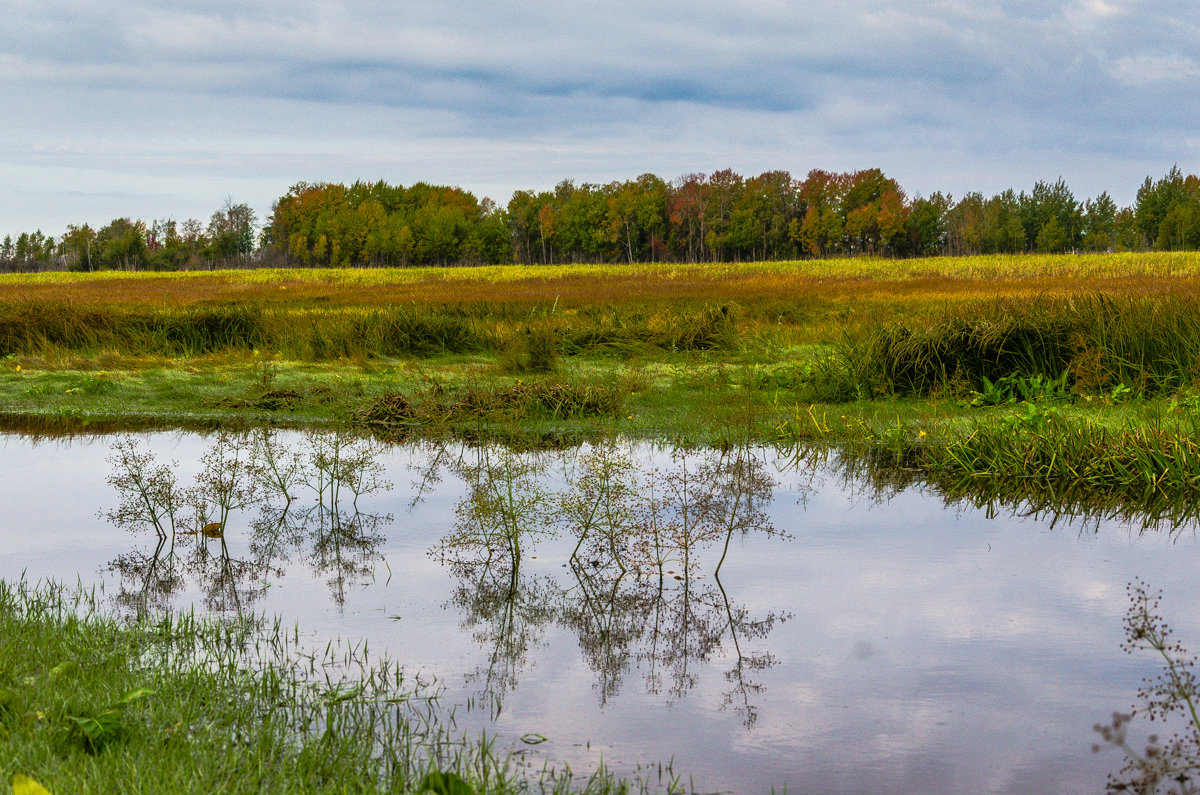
x=24 y=785
x=533 y=739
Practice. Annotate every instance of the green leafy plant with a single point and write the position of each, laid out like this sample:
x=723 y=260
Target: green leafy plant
x=97 y=729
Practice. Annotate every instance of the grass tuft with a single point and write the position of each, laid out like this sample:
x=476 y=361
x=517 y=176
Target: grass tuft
x=186 y=705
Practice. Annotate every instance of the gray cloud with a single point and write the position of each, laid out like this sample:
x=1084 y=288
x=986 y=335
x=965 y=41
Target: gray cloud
x=942 y=94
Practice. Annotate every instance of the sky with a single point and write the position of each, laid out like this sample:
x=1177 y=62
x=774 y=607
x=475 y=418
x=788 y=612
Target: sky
x=156 y=109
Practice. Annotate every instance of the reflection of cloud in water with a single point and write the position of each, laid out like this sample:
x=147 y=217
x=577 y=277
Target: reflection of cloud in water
x=994 y=641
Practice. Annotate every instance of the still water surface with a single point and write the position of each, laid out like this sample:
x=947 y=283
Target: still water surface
x=851 y=640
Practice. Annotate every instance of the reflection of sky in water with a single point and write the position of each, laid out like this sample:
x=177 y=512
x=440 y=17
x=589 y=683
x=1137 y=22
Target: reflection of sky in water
x=918 y=648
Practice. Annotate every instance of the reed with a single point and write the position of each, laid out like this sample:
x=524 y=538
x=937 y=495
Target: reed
x=1150 y=344
x=320 y=334
x=1047 y=447
x=815 y=300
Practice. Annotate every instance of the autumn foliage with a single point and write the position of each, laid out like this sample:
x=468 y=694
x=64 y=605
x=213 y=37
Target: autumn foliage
x=696 y=218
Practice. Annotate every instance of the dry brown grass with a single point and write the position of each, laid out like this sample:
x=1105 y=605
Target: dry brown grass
x=826 y=281
x=811 y=301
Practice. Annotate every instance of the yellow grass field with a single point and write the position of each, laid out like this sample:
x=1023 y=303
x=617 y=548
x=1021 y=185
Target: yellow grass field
x=930 y=279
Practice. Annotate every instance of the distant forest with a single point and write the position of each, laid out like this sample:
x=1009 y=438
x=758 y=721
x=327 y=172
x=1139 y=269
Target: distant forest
x=718 y=217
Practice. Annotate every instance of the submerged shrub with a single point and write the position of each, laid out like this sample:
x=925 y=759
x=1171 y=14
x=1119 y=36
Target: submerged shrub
x=1171 y=698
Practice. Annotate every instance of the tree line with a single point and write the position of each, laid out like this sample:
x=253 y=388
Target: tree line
x=718 y=217
x=231 y=238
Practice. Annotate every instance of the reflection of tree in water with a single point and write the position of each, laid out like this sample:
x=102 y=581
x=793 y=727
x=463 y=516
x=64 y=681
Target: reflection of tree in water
x=506 y=613
x=744 y=627
x=230 y=584
x=504 y=508
x=148 y=579
x=240 y=472
x=503 y=511
x=607 y=612
x=637 y=596
x=669 y=630
x=343 y=546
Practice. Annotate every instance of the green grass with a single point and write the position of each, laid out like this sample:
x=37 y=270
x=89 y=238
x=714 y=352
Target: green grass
x=1092 y=342
x=179 y=704
x=688 y=394
x=316 y=332
x=839 y=353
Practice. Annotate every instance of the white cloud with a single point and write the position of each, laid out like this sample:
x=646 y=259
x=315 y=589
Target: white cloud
x=1137 y=70
x=945 y=94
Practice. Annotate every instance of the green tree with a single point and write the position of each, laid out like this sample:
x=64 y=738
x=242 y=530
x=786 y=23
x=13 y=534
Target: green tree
x=873 y=212
x=1154 y=201
x=121 y=245
x=580 y=227
x=523 y=225
x=1057 y=202
x=925 y=228
x=819 y=231
x=1051 y=238
x=762 y=214
x=77 y=245
x=1126 y=234
x=490 y=241
x=636 y=216
x=1099 y=223
x=719 y=197
x=231 y=232
x=1180 y=228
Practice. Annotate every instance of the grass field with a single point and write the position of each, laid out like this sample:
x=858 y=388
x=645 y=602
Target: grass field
x=934 y=352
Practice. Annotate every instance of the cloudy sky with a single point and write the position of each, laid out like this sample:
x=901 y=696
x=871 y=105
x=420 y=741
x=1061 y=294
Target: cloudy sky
x=159 y=109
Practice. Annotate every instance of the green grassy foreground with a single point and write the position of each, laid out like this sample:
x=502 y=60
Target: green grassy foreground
x=184 y=705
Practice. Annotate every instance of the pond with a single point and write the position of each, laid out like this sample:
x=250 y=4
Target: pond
x=756 y=618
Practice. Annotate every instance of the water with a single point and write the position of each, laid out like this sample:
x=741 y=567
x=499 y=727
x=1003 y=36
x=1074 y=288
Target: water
x=852 y=641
